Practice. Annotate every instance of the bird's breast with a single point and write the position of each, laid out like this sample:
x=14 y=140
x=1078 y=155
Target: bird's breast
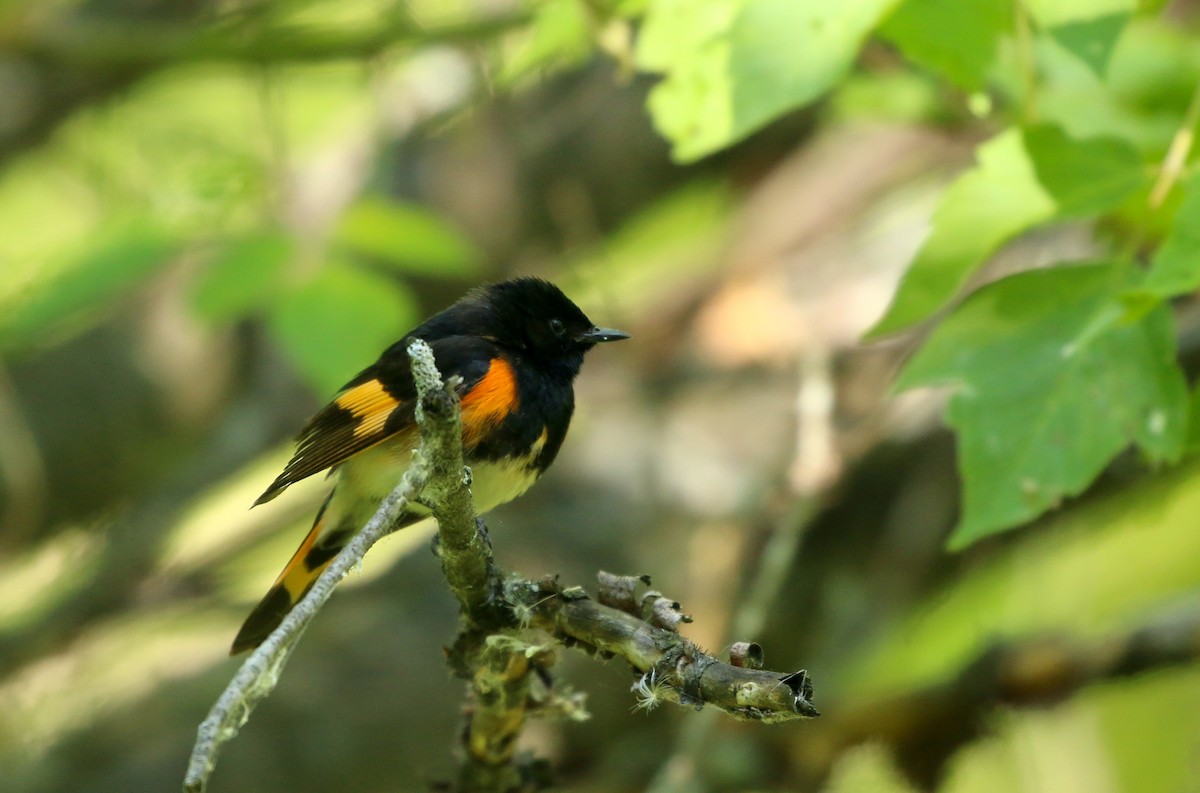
x=498 y=481
x=368 y=477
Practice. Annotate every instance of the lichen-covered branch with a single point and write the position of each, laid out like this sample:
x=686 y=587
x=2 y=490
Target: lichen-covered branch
x=674 y=668
x=463 y=545
x=501 y=697
x=508 y=675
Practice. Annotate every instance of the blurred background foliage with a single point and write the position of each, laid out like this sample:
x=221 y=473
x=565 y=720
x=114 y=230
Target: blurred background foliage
x=212 y=214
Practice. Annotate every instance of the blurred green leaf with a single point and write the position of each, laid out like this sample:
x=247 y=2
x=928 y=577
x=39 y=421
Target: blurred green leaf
x=406 y=237
x=731 y=66
x=336 y=324
x=984 y=207
x=1149 y=82
x=904 y=96
x=1097 y=568
x=960 y=45
x=561 y=33
x=1092 y=40
x=1022 y=179
x=1084 y=177
x=689 y=43
x=1191 y=443
x=244 y=276
x=1050 y=380
x=112 y=268
x=675 y=240
x=1176 y=265
x=1089 y=29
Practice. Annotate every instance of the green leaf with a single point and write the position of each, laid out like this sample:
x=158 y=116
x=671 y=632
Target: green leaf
x=1176 y=266
x=1092 y=40
x=1022 y=179
x=1089 y=29
x=336 y=324
x=242 y=277
x=406 y=237
x=1050 y=380
x=1051 y=13
x=1191 y=443
x=1084 y=177
x=110 y=270
x=962 y=43
x=731 y=66
x=903 y=96
x=984 y=207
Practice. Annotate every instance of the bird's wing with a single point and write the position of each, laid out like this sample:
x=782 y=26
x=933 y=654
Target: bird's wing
x=381 y=401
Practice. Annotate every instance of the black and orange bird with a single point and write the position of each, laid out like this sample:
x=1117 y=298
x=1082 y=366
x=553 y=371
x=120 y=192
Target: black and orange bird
x=516 y=345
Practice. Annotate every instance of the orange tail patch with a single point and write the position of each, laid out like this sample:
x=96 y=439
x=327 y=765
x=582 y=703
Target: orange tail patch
x=289 y=587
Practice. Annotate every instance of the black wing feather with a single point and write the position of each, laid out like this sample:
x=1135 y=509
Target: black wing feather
x=336 y=432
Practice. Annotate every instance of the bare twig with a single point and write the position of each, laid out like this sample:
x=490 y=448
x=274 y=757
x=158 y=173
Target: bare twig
x=1177 y=154
x=259 y=673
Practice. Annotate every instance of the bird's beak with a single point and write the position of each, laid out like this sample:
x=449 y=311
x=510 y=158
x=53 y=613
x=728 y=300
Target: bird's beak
x=597 y=335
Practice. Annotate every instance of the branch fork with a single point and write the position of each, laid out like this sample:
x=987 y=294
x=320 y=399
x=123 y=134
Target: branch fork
x=509 y=676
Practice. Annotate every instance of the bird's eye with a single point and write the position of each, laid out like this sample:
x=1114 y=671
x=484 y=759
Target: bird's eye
x=557 y=327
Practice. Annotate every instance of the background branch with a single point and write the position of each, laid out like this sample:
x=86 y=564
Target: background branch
x=925 y=727
x=126 y=45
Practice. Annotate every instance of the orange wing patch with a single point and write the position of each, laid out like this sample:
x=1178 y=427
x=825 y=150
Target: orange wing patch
x=492 y=400
x=371 y=404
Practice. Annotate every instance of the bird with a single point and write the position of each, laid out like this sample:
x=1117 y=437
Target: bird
x=516 y=345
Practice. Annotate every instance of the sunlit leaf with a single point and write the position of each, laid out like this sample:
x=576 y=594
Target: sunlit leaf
x=1084 y=177
x=731 y=66
x=1023 y=178
x=902 y=96
x=336 y=324
x=406 y=237
x=1147 y=86
x=243 y=276
x=106 y=272
x=997 y=199
x=1050 y=380
x=960 y=45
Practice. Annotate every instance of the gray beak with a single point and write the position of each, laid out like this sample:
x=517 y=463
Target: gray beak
x=597 y=335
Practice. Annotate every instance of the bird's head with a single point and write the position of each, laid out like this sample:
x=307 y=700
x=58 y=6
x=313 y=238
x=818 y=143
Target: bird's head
x=535 y=318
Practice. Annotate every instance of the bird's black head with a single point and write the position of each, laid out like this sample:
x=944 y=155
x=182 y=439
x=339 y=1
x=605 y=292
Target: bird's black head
x=535 y=318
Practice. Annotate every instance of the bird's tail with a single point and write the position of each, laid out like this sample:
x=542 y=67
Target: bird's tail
x=308 y=562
